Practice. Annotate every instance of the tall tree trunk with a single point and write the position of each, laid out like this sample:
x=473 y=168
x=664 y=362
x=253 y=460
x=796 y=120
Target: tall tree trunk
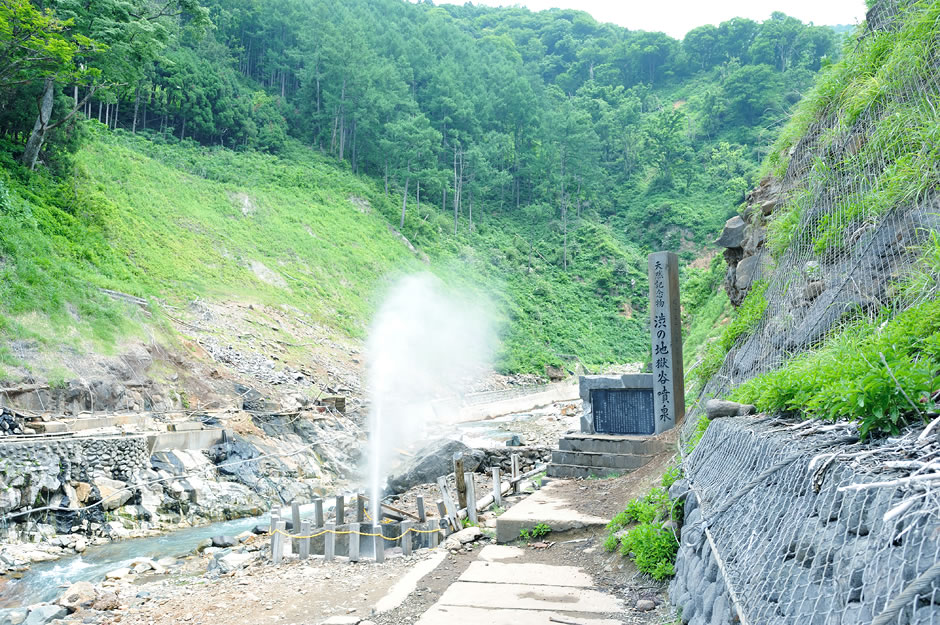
x=107 y=114
x=418 y=182
x=136 y=109
x=100 y=108
x=404 y=200
x=456 y=190
x=386 y=178
x=38 y=136
x=114 y=118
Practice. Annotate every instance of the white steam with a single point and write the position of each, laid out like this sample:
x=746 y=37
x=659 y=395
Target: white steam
x=425 y=343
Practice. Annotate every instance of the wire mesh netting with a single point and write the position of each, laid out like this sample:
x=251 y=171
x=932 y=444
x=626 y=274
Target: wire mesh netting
x=808 y=524
x=814 y=529
x=859 y=199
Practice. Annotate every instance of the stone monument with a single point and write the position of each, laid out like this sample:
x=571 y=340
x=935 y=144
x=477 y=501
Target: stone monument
x=666 y=335
x=623 y=412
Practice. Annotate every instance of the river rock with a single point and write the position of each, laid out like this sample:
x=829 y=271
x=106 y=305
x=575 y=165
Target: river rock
x=204 y=544
x=434 y=460
x=224 y=541
x=13 y=616
x=468 y=535
x=80 y=544
x=42 y=614
x=120 y=573
x=233 y=561
x=79 y=595
x=82 y=491
x=114 y=493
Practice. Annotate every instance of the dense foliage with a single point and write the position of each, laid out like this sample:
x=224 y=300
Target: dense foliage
x=646 y=530
x=878 y=372
x=544 y=152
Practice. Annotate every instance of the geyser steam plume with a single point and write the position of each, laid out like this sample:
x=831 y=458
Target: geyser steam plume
x=426 y=342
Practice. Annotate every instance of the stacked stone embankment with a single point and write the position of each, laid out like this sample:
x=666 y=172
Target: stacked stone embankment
x=818 y=529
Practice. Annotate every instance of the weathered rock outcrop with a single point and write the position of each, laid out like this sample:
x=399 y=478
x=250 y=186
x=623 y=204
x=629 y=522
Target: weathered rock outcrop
x=743 y=238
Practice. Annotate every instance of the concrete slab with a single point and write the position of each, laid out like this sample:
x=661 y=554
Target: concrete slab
x=397 y=594
x=529 y=597
x=543 y=506
x=450 y=615
x=496 y=553
x=526 y=573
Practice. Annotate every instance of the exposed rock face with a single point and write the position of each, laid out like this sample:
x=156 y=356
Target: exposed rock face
x=743 y=238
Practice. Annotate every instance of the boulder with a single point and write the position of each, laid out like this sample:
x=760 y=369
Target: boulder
x=79 y=595
x=224 y=541
x=749 y=270
x=13 y=616
x=42 y=614
x=234 y=561
x=433 y=461
x=82 y=491
x=113 y=493
x=717 y=408
x=467 y=535
x=554 y=373
x=733 y=233
x=120 y=573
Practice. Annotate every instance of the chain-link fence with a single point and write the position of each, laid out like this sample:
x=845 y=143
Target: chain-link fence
x=809 y=527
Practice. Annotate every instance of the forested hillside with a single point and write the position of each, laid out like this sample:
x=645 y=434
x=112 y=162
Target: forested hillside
x=540 y=155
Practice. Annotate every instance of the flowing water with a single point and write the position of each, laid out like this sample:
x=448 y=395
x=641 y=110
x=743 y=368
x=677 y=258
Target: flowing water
x=44 y=581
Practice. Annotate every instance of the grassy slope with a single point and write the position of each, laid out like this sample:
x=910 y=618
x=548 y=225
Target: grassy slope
x=179 y=222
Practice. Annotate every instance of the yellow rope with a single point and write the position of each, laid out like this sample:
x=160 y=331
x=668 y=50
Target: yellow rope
x=412 y=530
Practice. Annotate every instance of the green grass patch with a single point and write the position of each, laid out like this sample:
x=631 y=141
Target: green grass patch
x=745 y=319
x=880 y=373
x=881 y=80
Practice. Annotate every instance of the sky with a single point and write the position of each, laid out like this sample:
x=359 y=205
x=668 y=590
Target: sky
x=677 y=17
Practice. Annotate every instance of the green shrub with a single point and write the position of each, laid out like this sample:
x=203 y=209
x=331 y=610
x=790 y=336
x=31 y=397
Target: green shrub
x=877 y=372
x=653 y=549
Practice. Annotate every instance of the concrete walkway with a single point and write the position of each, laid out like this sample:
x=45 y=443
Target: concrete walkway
x=496 y=590
x=543 y=506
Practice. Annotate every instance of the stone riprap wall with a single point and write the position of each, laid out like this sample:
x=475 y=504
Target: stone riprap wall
x=64 y=472
x=800 y=537
x=529 y=458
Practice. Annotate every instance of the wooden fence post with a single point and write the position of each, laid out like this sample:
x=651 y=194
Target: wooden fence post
x=461 y=483
x=515 y=474
x=340 y=511
x=318 y=512
x=422 y=517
